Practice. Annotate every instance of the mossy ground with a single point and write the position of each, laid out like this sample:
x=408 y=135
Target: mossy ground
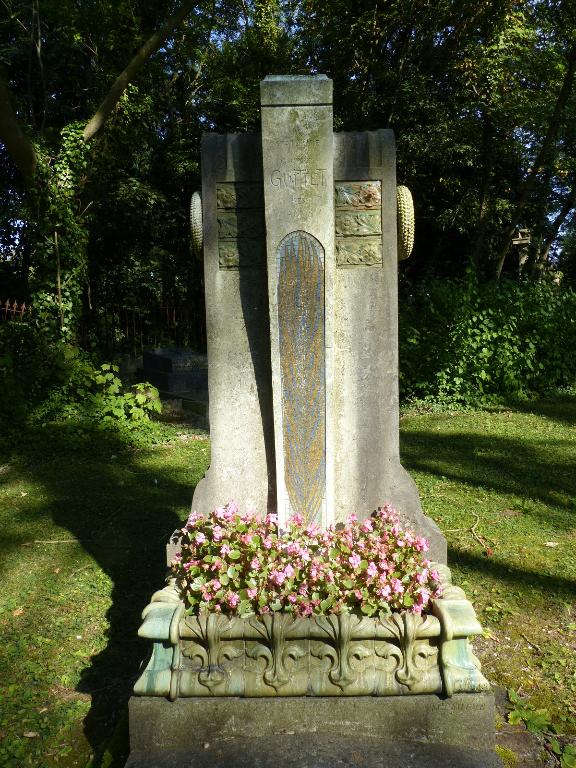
x=84 y=518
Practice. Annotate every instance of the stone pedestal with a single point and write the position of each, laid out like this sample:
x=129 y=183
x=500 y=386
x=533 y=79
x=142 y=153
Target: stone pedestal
x=398 y=732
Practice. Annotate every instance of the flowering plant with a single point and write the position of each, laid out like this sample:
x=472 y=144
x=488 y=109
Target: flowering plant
x=238 y=563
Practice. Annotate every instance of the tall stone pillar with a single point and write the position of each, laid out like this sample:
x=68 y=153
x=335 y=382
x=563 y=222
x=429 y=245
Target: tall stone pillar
x=297 y=149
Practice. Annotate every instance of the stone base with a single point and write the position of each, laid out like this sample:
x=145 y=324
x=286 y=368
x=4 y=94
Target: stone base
x=424 y=731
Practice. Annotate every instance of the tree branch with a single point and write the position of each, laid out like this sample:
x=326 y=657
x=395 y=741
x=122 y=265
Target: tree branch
x=568 y=206
x=125 y=78
x=541 y=157
x=17 y=144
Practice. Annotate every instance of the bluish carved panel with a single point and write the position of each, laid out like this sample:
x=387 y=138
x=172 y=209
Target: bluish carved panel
x=303 y=370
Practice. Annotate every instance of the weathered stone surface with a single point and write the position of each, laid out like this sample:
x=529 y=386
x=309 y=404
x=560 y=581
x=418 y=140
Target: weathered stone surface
x=316 y=751
x=464 y=721
x=358 y=251
x=366 y=408
x=239 y=375
x=298 y=194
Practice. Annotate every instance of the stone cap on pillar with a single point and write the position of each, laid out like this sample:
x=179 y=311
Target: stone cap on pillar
x=295 y=90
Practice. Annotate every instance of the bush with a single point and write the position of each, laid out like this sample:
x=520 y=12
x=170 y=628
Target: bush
x=45 y=380
x=462 y=342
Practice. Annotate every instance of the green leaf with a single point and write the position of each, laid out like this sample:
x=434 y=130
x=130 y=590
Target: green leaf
x=325 y=604
x=234 y=555
x=568 y=759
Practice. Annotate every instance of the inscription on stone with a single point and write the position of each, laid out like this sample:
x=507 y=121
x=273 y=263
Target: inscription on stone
x=298 y=177
x=240 y=218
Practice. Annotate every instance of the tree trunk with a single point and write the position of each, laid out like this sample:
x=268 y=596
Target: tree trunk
x=17 y=144
x=549 y=139
x=568 y=206
x=125 y=78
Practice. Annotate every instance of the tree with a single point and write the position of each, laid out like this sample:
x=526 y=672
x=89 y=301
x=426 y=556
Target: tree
x=53 y=173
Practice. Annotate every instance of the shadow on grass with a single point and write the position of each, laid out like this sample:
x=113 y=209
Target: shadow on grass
x=511 y=574
x=122 y=517
x=562 y=409
x=544 y=470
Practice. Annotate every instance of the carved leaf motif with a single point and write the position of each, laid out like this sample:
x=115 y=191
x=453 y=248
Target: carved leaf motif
x=343 y=653
x=352 y=194
x=391 y=654
x=278 y=654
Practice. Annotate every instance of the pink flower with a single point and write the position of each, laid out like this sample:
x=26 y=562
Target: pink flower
x=251 y=593
x=423 y=597
x=267 y=542
x=200 y=538
x=292 y=599
x=217 y=533
x=296 y=519
x=255 y=564
x=422 y=576
x=372 y=570
x=289 y=571
x=232 y=599
x=277 y=577
x=367 y=525
x=421 y=544
x=397 y=586
x=355 y=560
x=193 y=518
x=225 y=550
x=215 y=584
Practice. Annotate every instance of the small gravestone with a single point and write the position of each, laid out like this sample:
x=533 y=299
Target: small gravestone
x=181 y=376
x=300 y=262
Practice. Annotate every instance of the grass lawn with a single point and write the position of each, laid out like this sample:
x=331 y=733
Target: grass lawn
x=84 y=520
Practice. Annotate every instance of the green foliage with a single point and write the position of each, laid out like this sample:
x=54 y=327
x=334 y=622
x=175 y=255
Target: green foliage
x=42 y=380
x=535 y=720
x=468 y=343
x=538 y=721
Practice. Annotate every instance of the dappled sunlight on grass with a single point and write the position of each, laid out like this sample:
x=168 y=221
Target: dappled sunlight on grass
x=502 y=486
x=85 y=521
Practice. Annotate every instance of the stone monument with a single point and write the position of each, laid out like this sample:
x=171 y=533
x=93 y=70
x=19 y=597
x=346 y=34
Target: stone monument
x=300 y=259
x=300 y=264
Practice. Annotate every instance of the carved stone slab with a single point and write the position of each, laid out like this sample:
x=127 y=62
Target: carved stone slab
x=361 y=251
x=333 y=655
x=358 y=195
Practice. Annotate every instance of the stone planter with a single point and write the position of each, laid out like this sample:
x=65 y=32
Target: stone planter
x=333 y=655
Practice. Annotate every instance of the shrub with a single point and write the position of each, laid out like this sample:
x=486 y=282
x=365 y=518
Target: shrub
x=463 y=342
x=237 y=563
